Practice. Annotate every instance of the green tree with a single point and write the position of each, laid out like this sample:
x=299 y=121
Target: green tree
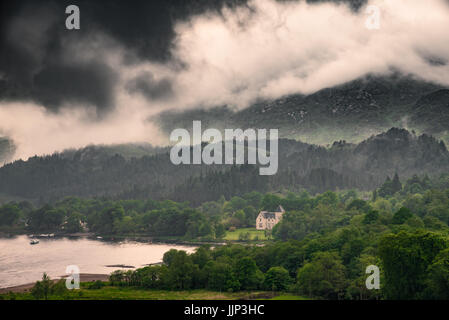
x=439 y=276
x=248 y=274
x=240 y=217
x=359 y=205
x=125 y=225
x=357 y=288
x=402 y=215
x=169 y=256
x=59 y=289
x=396 y=184
x=387 y=188
x=42 y=288
x=117 y=277
x=9 y=214
x=220 y=231
x=406 y=258
x=270 y=202
x=150 y=276
x=277 y=279
x=323 y=277
x=201 y=256
x=180 y=272
x=108 y=219
x=250 y=215
x=221 y=277
x=371 y=217
x=46 y=218
x=73 y=223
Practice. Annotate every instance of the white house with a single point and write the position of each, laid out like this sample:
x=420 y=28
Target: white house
x=267 y=220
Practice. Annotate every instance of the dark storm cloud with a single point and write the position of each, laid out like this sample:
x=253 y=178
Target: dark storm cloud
x=88 y=83
x=354 y=4
x=149 y=87
x=36 y=64
x=33 y=40
x=146 y=27
x=23 y=36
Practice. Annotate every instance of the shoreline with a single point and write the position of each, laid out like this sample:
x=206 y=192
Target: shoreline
x=84 y=277
x=136 y=238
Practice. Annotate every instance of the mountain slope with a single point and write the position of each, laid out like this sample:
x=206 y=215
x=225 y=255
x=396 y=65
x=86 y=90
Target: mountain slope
x=90 y=172
x=352 y=111
x=431 y=112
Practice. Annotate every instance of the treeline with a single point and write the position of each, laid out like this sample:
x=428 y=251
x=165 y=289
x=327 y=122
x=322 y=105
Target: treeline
x=226 y=268
x=324 y=245
x=321 y=247
x=106 y=217
x=419 y=202
x=414 y=265
x=424 y=198
x=93 y=172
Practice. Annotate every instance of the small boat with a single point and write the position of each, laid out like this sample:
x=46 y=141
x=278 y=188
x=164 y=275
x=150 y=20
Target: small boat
x=34 y=241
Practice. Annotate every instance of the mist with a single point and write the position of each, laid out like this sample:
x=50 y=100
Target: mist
x=264 y=50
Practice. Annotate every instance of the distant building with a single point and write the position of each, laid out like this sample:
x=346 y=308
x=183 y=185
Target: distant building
x=267 y=220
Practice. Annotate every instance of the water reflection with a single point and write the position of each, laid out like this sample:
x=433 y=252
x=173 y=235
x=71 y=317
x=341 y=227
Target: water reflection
x=22 y=263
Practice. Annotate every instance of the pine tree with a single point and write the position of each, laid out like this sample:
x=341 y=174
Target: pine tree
x=396 y=184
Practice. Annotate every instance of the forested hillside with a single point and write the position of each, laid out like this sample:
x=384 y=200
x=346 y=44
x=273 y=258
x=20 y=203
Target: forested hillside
x=321 y=248
x=92 y=172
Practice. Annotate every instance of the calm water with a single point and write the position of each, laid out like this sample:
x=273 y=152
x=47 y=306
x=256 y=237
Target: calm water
x=22 y=263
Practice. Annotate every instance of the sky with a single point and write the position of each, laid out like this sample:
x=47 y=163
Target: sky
x=132 y=60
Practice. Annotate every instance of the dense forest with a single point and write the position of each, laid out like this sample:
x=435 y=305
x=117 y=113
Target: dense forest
x=414 y=266
x=93 y=172
x=320 y=248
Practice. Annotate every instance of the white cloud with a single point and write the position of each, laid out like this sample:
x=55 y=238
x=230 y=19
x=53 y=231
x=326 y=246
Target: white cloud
x=293 y=47
x=274 y=49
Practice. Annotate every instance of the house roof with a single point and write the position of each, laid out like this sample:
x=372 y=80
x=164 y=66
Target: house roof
x=280 y=209
x=272 y=215
x=269 y=215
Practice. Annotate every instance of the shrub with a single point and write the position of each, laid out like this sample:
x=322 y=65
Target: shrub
x=96 y=285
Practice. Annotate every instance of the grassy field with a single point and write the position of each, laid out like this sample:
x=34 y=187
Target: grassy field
x=288 y=297
x=129 y=293
x=254 y=234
